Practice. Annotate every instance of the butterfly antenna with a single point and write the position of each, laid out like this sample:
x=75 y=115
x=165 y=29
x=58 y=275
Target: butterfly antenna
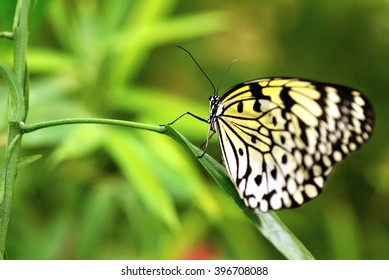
x=225 y=74
x=198 y=65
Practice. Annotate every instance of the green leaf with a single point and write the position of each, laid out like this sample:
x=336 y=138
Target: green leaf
x=267 y=223
x=80 y=142
x=16 y=110
x=127 y=151
x=23 y=162
x=5 y=166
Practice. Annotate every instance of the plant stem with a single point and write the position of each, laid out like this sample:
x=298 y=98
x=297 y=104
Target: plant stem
x=21 y=39
x=9 y=163
x=33 y=127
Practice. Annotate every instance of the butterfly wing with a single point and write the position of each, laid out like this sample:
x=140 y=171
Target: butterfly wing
x=281 y=137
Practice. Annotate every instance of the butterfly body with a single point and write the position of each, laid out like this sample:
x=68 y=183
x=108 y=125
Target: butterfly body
x=281 y=137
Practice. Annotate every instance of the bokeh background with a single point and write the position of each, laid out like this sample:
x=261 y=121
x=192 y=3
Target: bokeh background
x=103 y=192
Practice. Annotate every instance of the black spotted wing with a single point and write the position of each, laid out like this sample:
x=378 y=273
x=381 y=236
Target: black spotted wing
x=280 y=137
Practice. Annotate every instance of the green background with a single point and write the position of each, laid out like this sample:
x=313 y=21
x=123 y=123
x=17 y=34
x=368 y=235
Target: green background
x=101 y=192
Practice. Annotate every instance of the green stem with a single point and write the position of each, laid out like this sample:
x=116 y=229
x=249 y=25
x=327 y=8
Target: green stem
x=21 y=43
x=21 y=39
x=16 y=114
x=8 y=175
x=33 y=127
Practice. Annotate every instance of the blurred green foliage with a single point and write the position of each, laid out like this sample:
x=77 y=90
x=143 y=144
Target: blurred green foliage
x=112 y=193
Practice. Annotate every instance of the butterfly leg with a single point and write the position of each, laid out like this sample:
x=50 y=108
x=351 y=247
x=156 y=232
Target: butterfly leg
x=209 y=135
x=190 y=114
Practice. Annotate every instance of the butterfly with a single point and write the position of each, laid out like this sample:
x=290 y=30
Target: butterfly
x=281 y=137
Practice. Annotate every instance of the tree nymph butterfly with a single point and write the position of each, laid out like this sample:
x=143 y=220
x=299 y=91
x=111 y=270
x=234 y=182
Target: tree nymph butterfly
x=280 y=137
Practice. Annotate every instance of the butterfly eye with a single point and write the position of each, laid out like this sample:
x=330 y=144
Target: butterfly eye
x=279 y=156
